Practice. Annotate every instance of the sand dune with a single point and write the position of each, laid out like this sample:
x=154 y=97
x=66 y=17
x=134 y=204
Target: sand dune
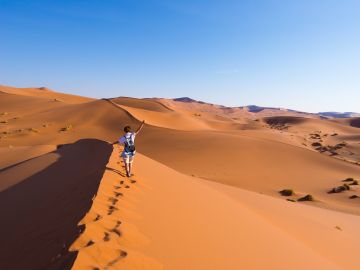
x=63 y=124
x=205 y=194
x=144 y=104
x=43 y=92
x=162 y=116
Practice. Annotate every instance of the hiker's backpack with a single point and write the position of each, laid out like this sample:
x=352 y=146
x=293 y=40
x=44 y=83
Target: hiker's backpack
x=129 y=144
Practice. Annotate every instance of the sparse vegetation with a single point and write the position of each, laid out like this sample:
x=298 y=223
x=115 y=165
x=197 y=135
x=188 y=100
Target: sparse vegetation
x=4 y=121
x=355 y=183
x=339 y=189
x=287 y=192
x=307 y=197
x=316 y=144
x=353 y=197
x=315 y=136
x=350 y=179
x=4 y=113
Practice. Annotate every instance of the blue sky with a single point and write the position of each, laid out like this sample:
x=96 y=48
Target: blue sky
x=299 y=54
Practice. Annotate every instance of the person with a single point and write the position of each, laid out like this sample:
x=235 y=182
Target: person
x=128 y=140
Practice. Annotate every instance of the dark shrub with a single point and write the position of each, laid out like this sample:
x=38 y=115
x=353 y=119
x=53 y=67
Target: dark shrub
x=306 y=198
x=286 y=192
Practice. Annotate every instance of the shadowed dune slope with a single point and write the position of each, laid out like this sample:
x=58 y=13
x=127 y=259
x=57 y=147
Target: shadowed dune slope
x=42 y=201
x=352 y=122
x=276 y=120
x=355 y=122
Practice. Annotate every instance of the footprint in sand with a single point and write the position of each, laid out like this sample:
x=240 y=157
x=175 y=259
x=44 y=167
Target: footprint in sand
x=117 y=194
x=90 y=243
x=115 y=229
x=106 y=237
x=111 y=209
x=113 y=200
x=122 y=254
x=98 y=217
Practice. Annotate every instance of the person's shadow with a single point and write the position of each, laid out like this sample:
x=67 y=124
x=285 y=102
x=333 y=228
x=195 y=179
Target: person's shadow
x=116 y=171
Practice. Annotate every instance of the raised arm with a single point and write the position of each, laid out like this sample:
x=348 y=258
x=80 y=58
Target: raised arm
x=140 y=127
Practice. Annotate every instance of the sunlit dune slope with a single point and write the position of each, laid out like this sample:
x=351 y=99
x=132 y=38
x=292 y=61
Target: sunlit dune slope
x=210 y=226
x=254 y=163
x=42 y=122
x=14 y=155
x=43 y=92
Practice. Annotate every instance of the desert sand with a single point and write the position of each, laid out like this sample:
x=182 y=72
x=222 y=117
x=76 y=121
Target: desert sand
x=205 y=194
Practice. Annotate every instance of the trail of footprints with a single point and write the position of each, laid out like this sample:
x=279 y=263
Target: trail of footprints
x=113 y=201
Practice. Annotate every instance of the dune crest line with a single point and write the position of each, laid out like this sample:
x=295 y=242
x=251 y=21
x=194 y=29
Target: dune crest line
x=109 y=240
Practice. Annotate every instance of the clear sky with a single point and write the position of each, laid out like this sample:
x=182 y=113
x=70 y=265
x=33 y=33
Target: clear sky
x=299 y=54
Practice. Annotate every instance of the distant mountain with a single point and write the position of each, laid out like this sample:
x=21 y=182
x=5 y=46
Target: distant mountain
x=185 y=99
x=257 y=109
x=339 y=114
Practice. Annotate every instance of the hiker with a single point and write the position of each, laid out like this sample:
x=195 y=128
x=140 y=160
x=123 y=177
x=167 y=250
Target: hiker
x=128 y=140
